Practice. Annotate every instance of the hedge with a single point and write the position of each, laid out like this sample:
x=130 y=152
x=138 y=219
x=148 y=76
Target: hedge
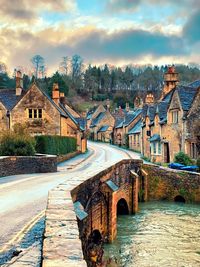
x=17 y=143
x=55 y=145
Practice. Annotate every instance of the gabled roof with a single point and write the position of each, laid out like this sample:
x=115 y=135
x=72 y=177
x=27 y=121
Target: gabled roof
x=186 y=96
x=52 y=102
x=119 y=123
x=104 y=128
x=195 y=84
x=96 y=120
x=136 y=128
x=9 y=99
x=130 y=116
x=75 y=120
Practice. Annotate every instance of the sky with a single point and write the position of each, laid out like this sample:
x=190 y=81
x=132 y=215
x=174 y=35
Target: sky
x=115 y=32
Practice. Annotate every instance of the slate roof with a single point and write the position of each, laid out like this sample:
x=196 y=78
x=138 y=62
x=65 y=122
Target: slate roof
x=187 y=95
x=130 y=116
x=119 y=123
x=75 y=120
x=103 y=128
x=195 y=84
x=136 y=128
x=155 y=137
x=162 y=110
x=9 y=99
x=159 y=108
x=96 y=120
x=81 y=122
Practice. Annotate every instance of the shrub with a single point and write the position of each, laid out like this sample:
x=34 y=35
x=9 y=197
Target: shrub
x=182 y=158
x=17 y=143
x=56 y=145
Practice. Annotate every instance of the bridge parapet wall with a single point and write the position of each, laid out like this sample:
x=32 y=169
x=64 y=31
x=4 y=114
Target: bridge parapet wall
x=166 y=184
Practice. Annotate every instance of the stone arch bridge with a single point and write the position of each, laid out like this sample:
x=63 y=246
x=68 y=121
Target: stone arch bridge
x=95 y=203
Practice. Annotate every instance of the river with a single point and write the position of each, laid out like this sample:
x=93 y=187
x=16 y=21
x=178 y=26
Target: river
x=161 y=234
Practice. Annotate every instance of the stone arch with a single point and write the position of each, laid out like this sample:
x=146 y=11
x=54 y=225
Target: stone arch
x=122 y=207
x=179 y=199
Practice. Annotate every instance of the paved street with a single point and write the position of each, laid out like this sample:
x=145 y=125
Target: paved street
x=23 y=197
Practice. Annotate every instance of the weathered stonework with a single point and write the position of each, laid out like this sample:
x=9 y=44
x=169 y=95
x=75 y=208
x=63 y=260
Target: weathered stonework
x=12 y=165
x=166 y=184
x=81 y=214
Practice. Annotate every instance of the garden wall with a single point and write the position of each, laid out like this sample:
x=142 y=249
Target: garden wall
x=13 y=165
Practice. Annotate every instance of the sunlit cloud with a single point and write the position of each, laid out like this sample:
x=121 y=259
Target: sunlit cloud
x=55 y=29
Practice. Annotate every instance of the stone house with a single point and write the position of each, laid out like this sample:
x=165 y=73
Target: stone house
x=167 y=126
x=134 y=136
x=124 y=125
x=100 y=123
x=41 y=114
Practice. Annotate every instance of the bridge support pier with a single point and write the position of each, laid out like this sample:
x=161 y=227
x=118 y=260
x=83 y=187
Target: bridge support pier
x=134 y=191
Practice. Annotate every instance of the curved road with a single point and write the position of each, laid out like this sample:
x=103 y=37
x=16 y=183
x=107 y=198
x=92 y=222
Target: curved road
x=23 y=197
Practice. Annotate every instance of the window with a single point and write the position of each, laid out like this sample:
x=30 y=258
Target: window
x=193 y=150
x=148 y=133
x=175 y=116
x=154 y=147
x=134 y=139
x=35 y=113
x=138 y=139
x=159 y=148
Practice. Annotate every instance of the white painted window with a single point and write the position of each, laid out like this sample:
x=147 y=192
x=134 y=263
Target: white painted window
x=175 y=116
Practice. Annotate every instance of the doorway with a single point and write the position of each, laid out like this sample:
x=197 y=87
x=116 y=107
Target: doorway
x=166 y=153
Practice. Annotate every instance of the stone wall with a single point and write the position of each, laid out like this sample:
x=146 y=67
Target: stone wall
x=166 y=184
x=12 y=165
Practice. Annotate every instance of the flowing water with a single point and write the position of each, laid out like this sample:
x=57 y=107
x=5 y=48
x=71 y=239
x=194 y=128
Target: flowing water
x=162 y=234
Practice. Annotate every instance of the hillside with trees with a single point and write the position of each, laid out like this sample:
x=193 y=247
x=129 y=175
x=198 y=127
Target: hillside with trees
x=84 y=84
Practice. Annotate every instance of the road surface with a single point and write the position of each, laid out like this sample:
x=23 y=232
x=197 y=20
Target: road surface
x=23 y=198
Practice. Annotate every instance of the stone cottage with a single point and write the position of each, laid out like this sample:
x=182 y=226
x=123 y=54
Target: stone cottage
x=100 y=123
x=124 y=125
x=41 y=114
x=168 y=125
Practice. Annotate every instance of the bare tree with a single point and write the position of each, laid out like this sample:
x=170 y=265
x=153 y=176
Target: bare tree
x=64 y=65
x=38 y=63
x=76 y=66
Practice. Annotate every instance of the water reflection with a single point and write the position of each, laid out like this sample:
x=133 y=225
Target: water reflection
x=161 y=234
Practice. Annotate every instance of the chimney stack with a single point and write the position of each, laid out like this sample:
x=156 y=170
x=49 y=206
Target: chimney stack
x=171 y=79
x=149 y=99
x=56 y=93
x=19 y=83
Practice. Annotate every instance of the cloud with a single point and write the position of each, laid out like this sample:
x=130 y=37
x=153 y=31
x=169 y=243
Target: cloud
x=29 y=9
x=129 y=6
x=191 y=30
x=116 y=6
x=94 y=45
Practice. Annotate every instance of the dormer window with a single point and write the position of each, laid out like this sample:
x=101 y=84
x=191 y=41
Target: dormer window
x=175 y=116
x=35 y=113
